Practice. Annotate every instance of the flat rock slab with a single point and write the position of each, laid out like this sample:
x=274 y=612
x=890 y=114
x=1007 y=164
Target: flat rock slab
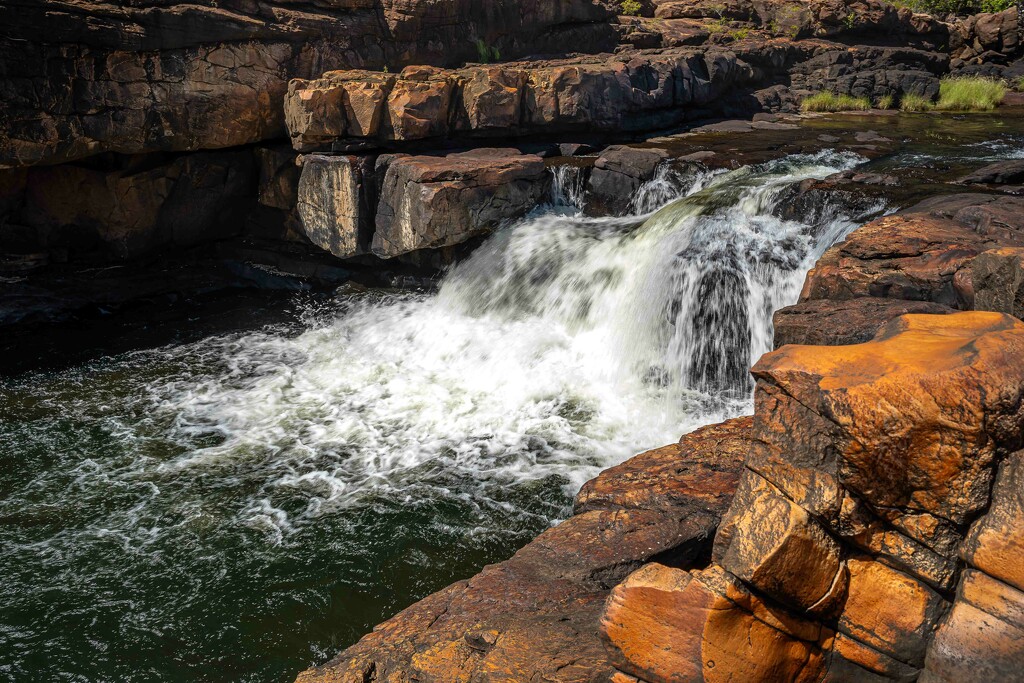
x=822 y=322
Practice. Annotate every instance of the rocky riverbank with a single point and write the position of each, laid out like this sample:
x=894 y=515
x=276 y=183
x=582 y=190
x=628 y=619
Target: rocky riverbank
x=861 y=525
x=848 y=531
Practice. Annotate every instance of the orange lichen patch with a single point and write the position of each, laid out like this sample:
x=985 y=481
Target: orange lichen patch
x=889 y=611
x=912 y=419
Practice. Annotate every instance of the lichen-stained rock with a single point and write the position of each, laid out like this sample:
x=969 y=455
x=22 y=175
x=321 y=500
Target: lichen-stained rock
x=701 y=470
x=429 y=202
x=982 y=639
x=997 y=279
x=995 y=544
x=491 y=98
x=666 y=625
x=824 y=322
x=332 y=203
x=889 y=611
x=921 y=254
x=419 y=104
x=911 y=422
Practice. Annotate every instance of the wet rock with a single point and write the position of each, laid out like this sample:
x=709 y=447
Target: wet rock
x=430 y=202
x=701 y=469
x=536 y=616
x=999 y=173
x=823 y=322
x=617 y=176
x=333 y=203
x=997 y=279
x=921 y=254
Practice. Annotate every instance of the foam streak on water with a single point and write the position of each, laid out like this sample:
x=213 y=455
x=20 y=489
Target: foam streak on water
x=224 y=510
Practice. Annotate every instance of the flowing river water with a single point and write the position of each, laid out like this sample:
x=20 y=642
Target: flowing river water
x=243 y=506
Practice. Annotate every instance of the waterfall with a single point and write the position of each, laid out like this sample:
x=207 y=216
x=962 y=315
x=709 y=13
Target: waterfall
x=386 y=443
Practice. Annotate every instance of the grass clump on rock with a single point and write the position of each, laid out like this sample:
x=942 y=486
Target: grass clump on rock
x=827 y=101
x=912 y=102
x=886 y=102
x=970 y=94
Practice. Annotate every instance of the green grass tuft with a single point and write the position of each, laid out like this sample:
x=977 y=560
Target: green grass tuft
x=911 y=102
x=631 y=8
x=827 y=101
x=886 y=102
x=970 y=94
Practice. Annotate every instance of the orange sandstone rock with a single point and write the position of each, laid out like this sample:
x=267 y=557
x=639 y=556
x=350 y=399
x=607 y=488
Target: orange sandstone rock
x=995 y=544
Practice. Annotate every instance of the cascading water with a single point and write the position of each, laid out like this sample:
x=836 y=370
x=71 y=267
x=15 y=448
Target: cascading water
x=237 y=508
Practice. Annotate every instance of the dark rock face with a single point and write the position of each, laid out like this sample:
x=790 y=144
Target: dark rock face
x=130 y=210
x=998 y=281
x=83 y=79
x=617 y=176
x=432 y=202
x=872 y=72
x=824 y=322
x=535 y=616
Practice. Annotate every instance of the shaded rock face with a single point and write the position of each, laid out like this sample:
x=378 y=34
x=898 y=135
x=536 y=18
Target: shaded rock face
x=133 y=209
x=997 y=278
x=432 y=202
x=83 y=79
x=535 y=616
x=838 y=557
x=1000 y=173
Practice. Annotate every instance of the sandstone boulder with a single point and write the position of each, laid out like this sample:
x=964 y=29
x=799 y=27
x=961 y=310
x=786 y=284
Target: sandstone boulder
x=921 y=254
x=430 y=202
x=332 y=203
